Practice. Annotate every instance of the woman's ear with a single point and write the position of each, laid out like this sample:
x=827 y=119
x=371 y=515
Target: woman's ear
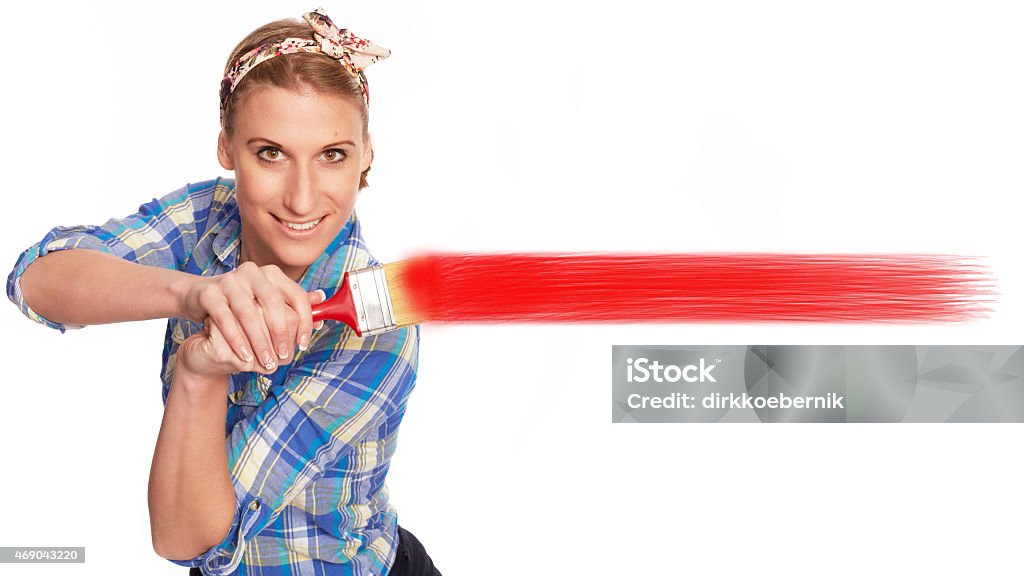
x=224 y=152
x=367 y=159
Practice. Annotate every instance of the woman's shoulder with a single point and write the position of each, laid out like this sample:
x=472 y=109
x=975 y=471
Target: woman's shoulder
x=218 y=191
x=195 y=199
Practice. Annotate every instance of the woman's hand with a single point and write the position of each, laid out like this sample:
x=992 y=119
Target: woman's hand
x=208 y=354
x=251 y=308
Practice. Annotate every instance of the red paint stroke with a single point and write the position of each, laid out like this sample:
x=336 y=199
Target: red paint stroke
x=709 y=287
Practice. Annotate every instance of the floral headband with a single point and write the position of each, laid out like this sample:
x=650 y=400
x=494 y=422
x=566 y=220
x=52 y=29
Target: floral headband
x=353 y=52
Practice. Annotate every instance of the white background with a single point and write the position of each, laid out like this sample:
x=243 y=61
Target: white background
x=683 y=127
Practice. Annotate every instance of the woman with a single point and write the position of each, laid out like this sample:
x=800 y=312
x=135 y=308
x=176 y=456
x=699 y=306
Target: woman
x=311 y=414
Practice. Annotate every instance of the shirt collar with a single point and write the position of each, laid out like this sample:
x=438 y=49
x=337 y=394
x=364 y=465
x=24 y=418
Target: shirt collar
x=226 y=234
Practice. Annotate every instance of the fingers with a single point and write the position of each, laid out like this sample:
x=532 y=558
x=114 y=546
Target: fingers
x=303 y=305
x=268 y=364
x=276 y=314
x=231 y=331
x=218 y=349
x=247 y=312
x=287 y=310
x=317 y=297
x=218 y=356
x=303 y=316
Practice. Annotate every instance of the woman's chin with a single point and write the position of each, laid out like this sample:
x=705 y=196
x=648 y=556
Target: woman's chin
x=298 y=256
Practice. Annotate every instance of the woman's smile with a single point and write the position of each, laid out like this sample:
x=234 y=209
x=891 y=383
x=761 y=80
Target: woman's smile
x=300 y=230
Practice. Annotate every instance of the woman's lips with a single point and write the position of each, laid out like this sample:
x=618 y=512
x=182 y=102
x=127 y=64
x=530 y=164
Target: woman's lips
x=299 y=234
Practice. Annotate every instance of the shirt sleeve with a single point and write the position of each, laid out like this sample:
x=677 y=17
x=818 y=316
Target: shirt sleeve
x=339 y=392
x=162 y=233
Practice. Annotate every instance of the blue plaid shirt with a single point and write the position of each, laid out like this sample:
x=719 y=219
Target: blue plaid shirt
x=309 y=446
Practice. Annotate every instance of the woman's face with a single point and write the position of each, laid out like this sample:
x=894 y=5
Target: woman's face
x=297 y=160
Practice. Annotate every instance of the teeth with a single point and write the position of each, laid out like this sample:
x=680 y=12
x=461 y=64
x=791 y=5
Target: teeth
x=306 y=226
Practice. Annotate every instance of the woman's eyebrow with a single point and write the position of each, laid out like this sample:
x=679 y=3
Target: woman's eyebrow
x=272 y=143
x=340 y=142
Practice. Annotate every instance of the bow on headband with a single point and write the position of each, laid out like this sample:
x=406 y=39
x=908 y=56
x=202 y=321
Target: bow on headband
x=354 y=53
x=342 y=44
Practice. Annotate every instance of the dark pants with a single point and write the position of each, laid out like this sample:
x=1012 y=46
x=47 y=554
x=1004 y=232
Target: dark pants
x=411 y=559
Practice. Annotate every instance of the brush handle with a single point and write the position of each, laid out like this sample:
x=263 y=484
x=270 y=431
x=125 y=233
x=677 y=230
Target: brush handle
x=339 y=307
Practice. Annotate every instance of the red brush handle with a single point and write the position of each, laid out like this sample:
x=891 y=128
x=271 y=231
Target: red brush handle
x=339 y=307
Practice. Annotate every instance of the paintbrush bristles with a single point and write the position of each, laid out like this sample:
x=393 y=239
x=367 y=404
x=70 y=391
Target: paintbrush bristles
x=715 y=287
x=401 y=303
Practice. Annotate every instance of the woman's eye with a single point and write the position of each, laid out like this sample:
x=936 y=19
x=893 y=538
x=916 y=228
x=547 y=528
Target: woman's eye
x=273 y=154
x=334 y=155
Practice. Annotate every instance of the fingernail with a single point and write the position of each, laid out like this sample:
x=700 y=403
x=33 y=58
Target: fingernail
x=318 y=325
x=282 y=351
x=246 y=355
x=268 y=361
x=323 y=295
x=304 y=342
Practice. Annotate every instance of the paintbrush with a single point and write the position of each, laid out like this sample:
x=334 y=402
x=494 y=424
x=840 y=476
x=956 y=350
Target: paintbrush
x=666 y=288
x=371 y=300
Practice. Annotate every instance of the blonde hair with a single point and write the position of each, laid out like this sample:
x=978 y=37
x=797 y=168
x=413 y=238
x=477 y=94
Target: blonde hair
x=296 y=72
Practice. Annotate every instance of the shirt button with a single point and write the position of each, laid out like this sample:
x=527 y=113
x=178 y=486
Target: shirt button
x=254 y=505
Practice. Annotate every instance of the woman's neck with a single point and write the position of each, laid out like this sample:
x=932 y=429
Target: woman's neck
x=294 y=274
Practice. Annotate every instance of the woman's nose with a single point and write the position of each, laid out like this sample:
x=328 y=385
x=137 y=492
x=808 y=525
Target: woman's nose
x=301 y=195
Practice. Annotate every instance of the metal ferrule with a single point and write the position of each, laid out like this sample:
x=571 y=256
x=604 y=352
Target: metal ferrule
x=374 y=312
